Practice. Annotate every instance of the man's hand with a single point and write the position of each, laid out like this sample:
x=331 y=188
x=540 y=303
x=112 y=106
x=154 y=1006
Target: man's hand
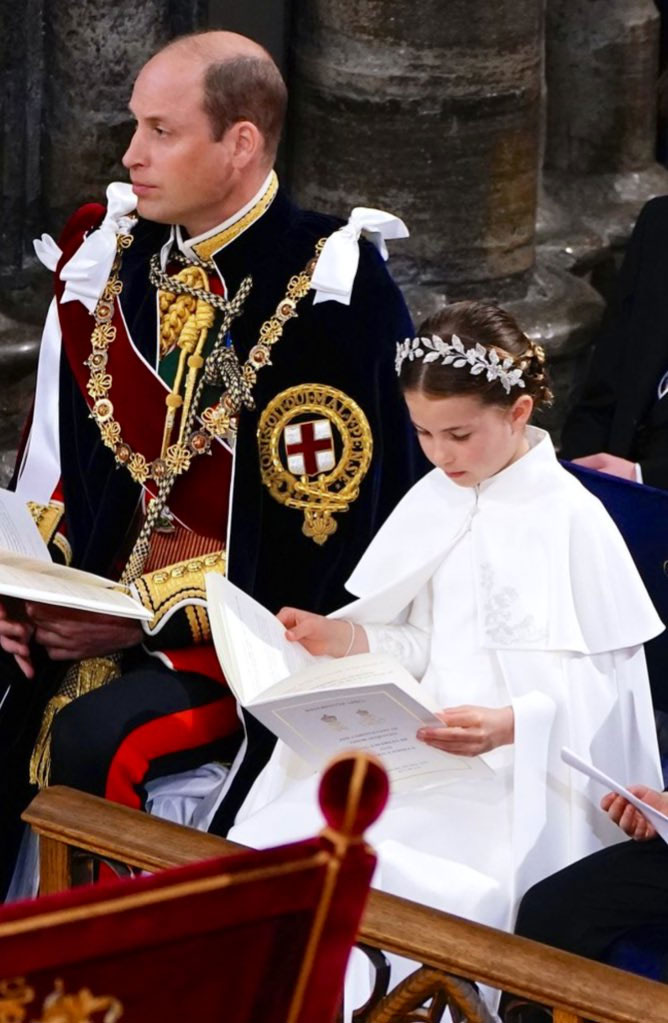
x=631 y=821
x=609 y=463
x=69 y=635
x=16 y=633
x=322 y=636
x=468 y=731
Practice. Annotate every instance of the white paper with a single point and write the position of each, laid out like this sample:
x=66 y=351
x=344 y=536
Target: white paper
x=326 y=673
x=57 y=588
x=18 y=531
x=380 y=719
x=655 y=817
x=28 y=573
x=250 y=641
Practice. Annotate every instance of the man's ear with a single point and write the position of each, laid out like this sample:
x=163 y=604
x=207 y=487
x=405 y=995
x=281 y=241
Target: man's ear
x=246 y=143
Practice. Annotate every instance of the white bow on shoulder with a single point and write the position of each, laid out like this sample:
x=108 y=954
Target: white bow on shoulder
x=87 y=272
x=335 y=270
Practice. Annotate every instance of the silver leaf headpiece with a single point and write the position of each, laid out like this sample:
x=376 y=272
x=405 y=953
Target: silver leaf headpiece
x=477 y=359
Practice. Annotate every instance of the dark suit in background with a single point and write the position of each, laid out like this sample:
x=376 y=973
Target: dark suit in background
x=619 y=411
x=589 y=905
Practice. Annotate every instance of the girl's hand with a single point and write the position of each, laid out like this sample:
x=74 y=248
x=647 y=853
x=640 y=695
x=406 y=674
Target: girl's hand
x=468 y=731
x=320 y=635
x=630 y=820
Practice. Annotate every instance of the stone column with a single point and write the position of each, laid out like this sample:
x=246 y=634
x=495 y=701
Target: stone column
x=95 y=50
x=433 y=111
x=601 y=68
x=430 y=113
x=21 y=60
x=267 y=23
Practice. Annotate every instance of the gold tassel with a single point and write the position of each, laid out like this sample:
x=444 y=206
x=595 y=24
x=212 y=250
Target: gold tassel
x=81 y=678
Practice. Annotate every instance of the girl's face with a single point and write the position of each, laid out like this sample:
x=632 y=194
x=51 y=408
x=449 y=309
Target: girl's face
x=468 y=440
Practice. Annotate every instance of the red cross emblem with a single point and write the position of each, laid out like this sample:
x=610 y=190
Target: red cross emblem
x=309 y=447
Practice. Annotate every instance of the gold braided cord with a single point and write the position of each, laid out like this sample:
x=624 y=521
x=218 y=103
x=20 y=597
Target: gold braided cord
x=191 y=340
x=174 y=311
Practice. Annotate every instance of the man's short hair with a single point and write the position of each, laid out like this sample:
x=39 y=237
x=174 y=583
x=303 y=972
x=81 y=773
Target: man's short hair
x=246 y=89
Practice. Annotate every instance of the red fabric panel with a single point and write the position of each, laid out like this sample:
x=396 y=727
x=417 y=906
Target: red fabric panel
x=200 y=658
x=169 y=734
x=231 y=953
x=179 y=545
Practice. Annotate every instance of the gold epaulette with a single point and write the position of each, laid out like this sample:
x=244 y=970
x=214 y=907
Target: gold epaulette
x=180 y=586
x=48 y=518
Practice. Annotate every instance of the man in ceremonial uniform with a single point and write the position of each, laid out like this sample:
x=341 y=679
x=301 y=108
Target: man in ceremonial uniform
x=215 y=393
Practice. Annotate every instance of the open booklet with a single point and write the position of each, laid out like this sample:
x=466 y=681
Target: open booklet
x=27 y=572
x=320 y=706
x=655 y=817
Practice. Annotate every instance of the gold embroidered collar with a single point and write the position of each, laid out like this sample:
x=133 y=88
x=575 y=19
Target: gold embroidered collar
x=203 y=248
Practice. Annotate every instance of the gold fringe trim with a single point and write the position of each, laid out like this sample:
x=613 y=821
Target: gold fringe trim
x=81 y=678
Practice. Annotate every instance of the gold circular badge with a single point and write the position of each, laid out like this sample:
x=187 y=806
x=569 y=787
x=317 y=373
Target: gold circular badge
x=315 y=449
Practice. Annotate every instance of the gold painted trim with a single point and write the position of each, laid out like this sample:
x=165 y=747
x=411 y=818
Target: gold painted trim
x=342 y=841
x=204 y=250
x=181 y=890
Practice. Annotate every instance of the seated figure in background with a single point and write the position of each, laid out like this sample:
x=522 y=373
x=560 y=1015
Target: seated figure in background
x=619 y=424
x=587 y=906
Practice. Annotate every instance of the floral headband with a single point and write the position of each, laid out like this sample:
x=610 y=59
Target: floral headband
x=477 y=359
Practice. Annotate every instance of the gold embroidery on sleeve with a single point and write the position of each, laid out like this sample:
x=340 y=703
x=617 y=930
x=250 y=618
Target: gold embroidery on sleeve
x=180 y=584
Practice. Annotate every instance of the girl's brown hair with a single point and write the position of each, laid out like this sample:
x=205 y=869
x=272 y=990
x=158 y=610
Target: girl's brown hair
x=478 y=323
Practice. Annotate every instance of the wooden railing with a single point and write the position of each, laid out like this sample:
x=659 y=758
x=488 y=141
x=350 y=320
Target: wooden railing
x=76 y=828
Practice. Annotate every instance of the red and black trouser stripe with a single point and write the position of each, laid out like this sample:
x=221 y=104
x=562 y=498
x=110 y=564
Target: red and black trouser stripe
x=149 y=722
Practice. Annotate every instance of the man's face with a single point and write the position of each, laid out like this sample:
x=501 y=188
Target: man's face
x=178 y=172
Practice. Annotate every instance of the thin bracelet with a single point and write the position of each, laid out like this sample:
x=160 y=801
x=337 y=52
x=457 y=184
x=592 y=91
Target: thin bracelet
x=353 y=634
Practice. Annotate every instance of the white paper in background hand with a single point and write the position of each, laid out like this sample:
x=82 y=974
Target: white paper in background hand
x=655 y=817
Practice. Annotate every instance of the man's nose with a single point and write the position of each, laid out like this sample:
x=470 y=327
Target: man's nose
x=132 y=157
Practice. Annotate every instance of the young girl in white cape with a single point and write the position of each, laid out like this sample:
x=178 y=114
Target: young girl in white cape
x=504 y=586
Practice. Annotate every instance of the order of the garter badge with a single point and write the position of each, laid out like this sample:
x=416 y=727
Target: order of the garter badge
x=315 y=449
